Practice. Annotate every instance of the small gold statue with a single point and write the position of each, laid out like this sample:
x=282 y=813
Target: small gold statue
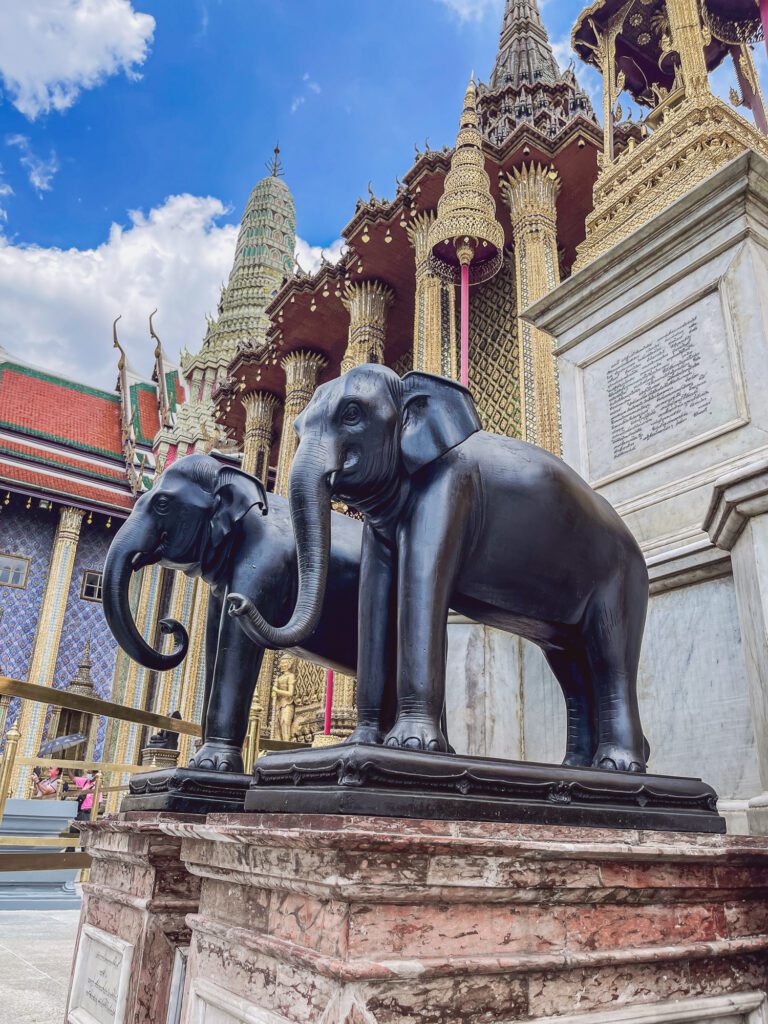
x=283 y=694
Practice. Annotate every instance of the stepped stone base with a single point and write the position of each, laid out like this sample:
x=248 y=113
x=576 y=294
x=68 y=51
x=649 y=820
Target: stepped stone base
x=353 y=920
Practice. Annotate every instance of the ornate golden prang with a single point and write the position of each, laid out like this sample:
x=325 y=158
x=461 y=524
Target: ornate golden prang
x=466 y=212
x=689 y=146
x=689 y=132
x=367 y=303
x=257 y=437
x=434 y=319
x=531 y=193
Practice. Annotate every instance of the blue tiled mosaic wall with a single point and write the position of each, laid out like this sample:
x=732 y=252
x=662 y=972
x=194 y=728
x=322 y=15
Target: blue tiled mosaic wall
x=28 y=533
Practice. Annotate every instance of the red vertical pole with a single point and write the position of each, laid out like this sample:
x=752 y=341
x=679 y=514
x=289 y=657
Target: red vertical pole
x=328 y=700
x=764 y=16
x=465 y=324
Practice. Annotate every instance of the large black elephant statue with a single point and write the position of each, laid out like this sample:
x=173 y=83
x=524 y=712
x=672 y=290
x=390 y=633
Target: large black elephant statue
x=209 y=520
x=490 y=526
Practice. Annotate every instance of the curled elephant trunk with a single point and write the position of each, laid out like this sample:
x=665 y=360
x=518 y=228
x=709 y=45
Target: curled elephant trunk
x=135 y=545
x=310 y=501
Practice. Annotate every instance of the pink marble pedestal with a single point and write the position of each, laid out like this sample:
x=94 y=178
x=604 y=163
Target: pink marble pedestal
x=334 y=920
x=133 y=921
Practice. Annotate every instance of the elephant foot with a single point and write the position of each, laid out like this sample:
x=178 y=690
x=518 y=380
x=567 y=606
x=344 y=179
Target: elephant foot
x=216 y=756
x=371 y=734
x=577 y=761
x=415 y=733
x=614 y=758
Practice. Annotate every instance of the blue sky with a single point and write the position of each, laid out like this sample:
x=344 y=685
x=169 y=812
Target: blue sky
x=346 y=87
x=131 y=132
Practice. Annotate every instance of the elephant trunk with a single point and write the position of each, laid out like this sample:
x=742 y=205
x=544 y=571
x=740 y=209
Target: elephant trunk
x=135 y=545
x=310 y=502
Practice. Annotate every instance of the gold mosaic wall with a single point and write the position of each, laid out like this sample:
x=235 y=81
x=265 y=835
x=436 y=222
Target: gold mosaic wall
x=494 y=363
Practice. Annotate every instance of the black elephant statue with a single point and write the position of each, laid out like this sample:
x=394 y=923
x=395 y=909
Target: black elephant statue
x=207 y=519
x=456 y=517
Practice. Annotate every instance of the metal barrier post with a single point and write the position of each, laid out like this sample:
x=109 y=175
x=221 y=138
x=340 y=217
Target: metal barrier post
x=97 y=782
x=12 y=738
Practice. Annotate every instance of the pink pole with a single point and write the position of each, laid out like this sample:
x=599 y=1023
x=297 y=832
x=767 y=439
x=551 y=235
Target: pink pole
x=465 y=322
x=764 y=16
x=328 y=700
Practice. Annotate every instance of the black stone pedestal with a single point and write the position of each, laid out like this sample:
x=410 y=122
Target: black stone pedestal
x=187 y=791
x=373 y=780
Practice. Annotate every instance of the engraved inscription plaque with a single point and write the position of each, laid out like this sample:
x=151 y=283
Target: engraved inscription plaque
x=670 y=385
x=100 y=979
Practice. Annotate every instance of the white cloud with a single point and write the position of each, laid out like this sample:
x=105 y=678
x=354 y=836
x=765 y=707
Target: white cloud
x=50 y=50
x=473 y=10
x=40 y=171
x=309 y=85
x=5 y=190
x=57 y=305
x=309 y=256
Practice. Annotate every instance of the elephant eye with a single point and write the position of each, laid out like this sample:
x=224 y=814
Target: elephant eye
x=352 y=414
x=161 y=504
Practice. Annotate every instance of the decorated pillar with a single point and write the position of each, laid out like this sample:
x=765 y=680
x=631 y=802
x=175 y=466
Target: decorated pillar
x=434 y=326
x=301 y=372
x=257 y=440
x=688 y=41
x=531 y=194
x=170 y=684
x=368 y=303
x=46 y=647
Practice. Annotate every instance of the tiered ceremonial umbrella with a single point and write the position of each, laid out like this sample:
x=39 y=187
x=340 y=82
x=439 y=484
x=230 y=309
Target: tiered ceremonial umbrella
x=466 y=240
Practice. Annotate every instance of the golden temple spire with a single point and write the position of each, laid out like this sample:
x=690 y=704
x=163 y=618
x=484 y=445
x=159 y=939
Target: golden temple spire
x=466 y=230
x=275 y=166
x=166 y=417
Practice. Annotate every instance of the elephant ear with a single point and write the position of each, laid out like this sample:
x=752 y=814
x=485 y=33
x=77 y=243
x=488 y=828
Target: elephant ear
x=437 y=415
x=236 y=492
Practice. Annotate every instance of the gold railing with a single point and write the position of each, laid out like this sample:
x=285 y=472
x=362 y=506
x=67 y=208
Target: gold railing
x=15 y=860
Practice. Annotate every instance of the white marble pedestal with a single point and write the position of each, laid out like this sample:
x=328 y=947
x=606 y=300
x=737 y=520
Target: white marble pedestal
x=662 y=348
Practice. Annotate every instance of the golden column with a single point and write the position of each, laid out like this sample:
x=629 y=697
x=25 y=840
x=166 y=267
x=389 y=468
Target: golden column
x=434 y=321
x=688 y=40
x=531 y=194
x=301 y=372
x=367 y=303
x=194 y=665
x=46 y=648
x=257 y=440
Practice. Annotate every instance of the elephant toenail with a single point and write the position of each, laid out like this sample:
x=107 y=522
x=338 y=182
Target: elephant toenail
x=609 y=764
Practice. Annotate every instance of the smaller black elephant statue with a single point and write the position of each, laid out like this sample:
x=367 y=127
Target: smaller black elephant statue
x=207 y=519
x=455 y=517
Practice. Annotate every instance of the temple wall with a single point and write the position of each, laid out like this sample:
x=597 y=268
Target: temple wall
x=494 y=364
x=29 y=534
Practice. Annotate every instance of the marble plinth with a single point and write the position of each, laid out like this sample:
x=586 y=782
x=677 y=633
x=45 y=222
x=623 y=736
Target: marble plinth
x=661 y=351
x=133 y=934
x=340 y=920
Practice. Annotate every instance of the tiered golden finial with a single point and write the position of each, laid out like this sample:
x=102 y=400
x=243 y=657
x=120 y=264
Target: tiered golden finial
x=466 y=232
x=466 y=241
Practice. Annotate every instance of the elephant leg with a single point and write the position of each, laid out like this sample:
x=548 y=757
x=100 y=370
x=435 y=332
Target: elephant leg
x=614 y=631
x=375 y=661
x=430 y=548
x=212 y=625
x=572 y=673
x=235 y=671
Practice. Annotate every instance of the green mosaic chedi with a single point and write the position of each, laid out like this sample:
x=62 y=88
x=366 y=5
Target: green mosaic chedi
x=264 y=257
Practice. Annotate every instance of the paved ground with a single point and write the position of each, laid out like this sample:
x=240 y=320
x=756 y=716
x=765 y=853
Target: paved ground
x=36 y=948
